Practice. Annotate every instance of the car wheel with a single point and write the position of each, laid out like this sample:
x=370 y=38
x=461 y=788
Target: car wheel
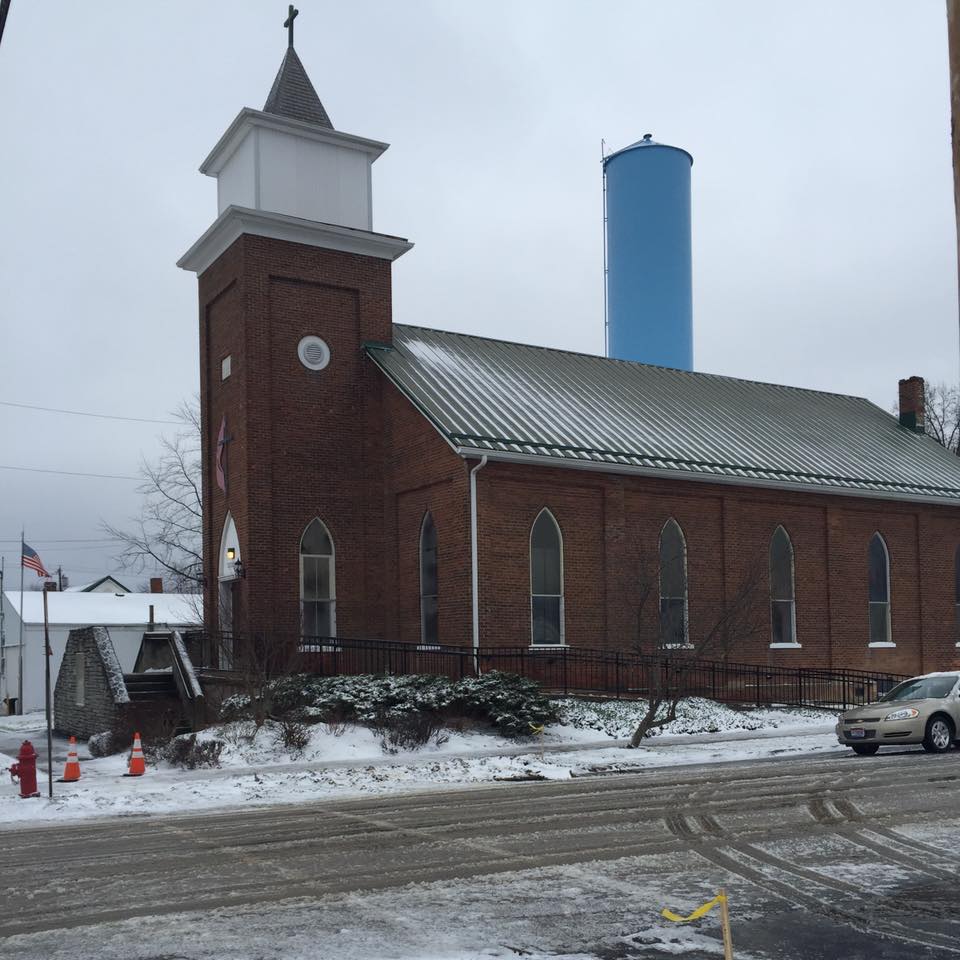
x=866 y=749
x=939 y=735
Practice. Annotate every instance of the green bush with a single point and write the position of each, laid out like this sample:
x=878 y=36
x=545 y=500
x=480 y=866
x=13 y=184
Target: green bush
x=407 y=709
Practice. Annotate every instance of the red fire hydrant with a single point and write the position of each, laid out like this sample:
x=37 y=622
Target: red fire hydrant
x=25 y=769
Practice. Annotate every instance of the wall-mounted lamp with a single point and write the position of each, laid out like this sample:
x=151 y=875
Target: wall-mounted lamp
x=231 y=553
x=238 y=568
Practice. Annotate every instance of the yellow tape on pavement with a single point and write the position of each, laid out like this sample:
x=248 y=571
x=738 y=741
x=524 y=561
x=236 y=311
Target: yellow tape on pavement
x=699 y=912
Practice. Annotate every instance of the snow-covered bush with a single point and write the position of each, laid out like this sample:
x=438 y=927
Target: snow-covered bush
x=513 y=704
x=416 y=706
x=103 y=744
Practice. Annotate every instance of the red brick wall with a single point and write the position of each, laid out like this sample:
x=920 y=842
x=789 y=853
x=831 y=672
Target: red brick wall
x=344 y=445
x=425 y=474
x=306 y=443
x=611 y=528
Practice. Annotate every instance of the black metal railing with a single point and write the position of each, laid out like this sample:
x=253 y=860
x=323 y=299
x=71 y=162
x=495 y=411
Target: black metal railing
x=558 y=670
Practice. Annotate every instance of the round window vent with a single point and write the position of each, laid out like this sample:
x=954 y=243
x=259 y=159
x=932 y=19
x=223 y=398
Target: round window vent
x=314 y=353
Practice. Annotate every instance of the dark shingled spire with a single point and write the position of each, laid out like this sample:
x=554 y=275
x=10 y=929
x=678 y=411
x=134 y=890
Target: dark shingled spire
x=292 y=94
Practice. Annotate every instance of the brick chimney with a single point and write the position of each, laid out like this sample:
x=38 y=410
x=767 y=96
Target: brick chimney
x=156 y=583
x=911 y=404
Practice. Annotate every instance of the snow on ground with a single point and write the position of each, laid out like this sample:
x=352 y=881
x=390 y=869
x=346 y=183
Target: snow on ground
x=342 y=761
x=104 y=791
x=27 y=723
x=619 y=718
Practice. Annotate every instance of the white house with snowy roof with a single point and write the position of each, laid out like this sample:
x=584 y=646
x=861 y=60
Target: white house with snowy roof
x=127 y=616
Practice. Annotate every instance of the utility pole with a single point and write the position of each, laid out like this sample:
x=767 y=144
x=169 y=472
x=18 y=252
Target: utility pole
x=4 y=10
x=953 y=54
x=60 y=579
x=3 y=639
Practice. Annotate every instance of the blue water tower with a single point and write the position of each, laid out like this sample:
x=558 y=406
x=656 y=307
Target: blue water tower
x=649 y=295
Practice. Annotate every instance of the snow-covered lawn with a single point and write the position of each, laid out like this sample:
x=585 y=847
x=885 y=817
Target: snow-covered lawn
x=28 y=723
x=619 y=718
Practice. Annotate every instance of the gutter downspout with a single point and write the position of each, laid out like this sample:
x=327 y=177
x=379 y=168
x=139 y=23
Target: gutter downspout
x=474 y=563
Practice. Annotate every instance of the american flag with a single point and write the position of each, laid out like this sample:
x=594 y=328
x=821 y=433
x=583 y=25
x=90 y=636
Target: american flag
x=31 y=559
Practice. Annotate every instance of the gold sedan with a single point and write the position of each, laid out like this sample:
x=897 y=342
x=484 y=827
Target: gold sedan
x=922 y=710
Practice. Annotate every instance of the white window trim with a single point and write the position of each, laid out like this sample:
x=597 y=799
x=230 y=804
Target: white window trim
x=229 y=538
x=563 y=618
x=686 y=645
x=786 y=646
x=332 y=599
x=781 y=645
x=885 y=644
x=436 y=596
x=889 y=600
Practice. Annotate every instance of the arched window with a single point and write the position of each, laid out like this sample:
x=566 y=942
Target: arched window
x=878 y=564
x=956 y=592
x=783 y=616
x=673 y=585
x=546 y=580
x=317 y=582
x=429 y=625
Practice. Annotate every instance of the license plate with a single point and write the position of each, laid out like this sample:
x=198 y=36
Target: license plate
x=857 y=733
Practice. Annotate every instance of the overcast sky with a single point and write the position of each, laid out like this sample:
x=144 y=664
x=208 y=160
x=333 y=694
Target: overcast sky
x=823 y=227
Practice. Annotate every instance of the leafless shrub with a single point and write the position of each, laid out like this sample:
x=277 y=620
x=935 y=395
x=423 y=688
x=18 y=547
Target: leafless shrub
x=293 y=735
x=400 y=729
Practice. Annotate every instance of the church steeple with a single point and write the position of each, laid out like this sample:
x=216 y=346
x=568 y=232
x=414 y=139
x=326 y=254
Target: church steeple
x=284 y=172
x=292 y=94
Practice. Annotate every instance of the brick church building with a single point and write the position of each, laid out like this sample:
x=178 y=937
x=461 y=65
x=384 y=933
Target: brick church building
x=367 y=479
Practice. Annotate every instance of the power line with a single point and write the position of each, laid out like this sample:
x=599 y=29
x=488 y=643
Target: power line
x=63 y=540
x=72 y=473
x=83 y=413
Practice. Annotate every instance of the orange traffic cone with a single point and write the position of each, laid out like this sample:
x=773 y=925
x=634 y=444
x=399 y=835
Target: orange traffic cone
x=71 y=772
x=137 y=766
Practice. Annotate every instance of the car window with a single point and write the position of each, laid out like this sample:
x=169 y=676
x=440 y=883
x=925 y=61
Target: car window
x=922 y=688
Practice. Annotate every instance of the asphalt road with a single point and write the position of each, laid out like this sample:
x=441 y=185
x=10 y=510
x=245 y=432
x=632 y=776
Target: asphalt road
x=823 y=858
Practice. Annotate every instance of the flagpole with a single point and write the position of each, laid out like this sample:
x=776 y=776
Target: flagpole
x=20 y=648
x=46 y=658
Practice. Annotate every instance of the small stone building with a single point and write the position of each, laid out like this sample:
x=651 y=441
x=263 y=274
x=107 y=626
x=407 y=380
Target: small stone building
x=90 y=692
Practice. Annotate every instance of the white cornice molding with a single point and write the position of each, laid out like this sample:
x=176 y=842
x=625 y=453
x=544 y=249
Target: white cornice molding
x=248 y=118
x=236 y=221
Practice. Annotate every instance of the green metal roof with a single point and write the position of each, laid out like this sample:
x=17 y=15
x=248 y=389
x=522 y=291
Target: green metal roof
x=513 y=401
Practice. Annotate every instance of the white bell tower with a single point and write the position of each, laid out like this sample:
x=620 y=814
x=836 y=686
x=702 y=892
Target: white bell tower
x=284 y=172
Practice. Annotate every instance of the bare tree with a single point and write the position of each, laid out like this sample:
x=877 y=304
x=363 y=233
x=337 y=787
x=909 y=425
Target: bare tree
x=167 y=535
x=736 y=621
x=942 y=414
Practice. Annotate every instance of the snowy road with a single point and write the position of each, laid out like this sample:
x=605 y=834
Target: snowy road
x=822 y=858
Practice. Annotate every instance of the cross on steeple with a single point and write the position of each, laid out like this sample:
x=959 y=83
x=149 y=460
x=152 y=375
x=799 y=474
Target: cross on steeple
x=288 y=23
